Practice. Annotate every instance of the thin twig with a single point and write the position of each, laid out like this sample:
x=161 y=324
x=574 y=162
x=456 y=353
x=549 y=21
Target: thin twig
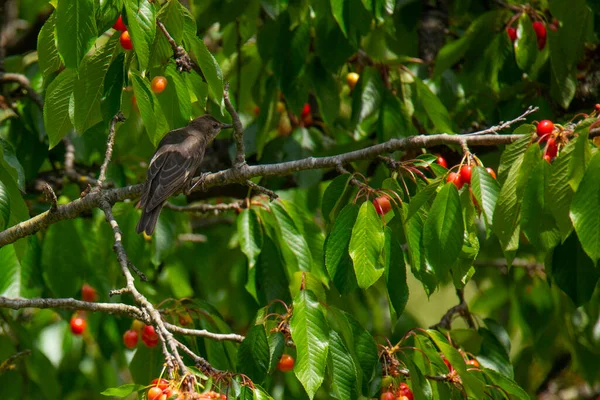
x=25 y=85
x=70 y=171
x=9 y=362
x=199 y=361
x=50 y=196
x=263 y=190
x=71 y=304
x=182 y=59
x=507 y=124
x=119 y=117
x=461 y=309
x=238 y=131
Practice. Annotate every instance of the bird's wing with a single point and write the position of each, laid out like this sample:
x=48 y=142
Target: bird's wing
x=167 y=174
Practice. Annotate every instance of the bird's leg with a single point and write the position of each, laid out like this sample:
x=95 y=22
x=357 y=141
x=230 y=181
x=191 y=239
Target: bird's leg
x=201 y=179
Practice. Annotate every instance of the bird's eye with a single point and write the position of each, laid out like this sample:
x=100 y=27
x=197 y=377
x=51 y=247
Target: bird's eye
x=215 y=125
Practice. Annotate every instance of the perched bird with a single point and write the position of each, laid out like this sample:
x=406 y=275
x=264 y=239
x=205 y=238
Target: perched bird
x=173 y=166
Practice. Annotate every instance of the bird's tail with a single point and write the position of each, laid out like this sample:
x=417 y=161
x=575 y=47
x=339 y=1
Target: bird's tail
x=148 y=221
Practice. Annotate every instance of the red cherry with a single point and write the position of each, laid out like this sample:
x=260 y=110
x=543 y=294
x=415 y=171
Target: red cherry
x=548 y=159
x=404 y=390
x=387 y=396
x=455 y=179
x=491 y=172
x=382 y=205
x=78 y=325
x=119 y=25
x=597 y=107
x=551 y=148
x=474 y=363
x=465 y=173
x=162 y=384
x=286 y=363
x=149 y=332
x=88 y=293
x=158 y=84
x=540 y=32
x=544 y=127
x=448 y=364
x=154 y=393
x=512 y=33
x=442 y=161
x=305 y=110
x=125 y=40
x=130 y=338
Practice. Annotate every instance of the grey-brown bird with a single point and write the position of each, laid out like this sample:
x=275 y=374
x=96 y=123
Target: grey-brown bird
x=173 y=166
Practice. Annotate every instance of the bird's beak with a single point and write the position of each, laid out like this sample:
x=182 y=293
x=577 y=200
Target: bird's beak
x=226 y=126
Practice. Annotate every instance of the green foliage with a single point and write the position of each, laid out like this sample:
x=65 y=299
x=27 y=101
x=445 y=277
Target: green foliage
x=521 y=250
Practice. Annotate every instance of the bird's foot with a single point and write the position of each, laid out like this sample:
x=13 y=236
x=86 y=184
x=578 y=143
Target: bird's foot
x=200 y=182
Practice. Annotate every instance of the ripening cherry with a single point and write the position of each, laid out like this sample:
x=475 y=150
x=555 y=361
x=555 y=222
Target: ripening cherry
x=158 y=84
x=154 y=393
x=351 y=79
x=404 y=390
x=597 y=107
x=130 y=338
x=491 y=172
x=541 y=33
x=551 y=148
x=286 y=363
x=548 y=159
x=149 y=336
x=305 y=110
x=544 y=127
x=280 y=107
x=162 y=384
x=474 y=363
x=382 y=205
x=125 y=40
x=78 y=325
x=455 y=179
x=442 y=161
x=387 y=396
x=119 y=25
x=88 y=293
x=512 y=33
x=466 y=171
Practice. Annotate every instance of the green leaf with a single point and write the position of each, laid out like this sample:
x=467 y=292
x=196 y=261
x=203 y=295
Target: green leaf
x=276 y=347
x=536 y=220
x=366 y=245
x=172 y=17
x=486 y=190
x=310 y=334
x=327 y=91
x=141 y=19
x=89 y=85
x=395 y=272
x=268 y=280
x=48 y=58
x=559 y=192
x=514 y=152
x=62 y=268
x=295 y=246
x=113 y=88
x=337 y=256
x=367 y=96
x=526 y=48
x=11 y=163
x=123 y=390
x=573 y=271
x=10 y=273
x=146 y=364
x=250 y=235
x=508 y=385
x=394 y=118
x=444 y=230
x=352 y=17
x=493 y=354
x=18 y=209
x=56 y=106
x=146 y=103
x=344 y=372
x=75 y=30
x=210 y=68
x=422 y=197
x=260 y=394
x=335 y=197
x=435 y=109
x=4 y=206
x=175 y=99
x=420 y=386
x=582 y=154
x=414 y=239
x=253 y=354
x=583 y=209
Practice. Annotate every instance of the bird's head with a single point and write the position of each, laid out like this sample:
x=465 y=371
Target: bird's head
x=209 y=126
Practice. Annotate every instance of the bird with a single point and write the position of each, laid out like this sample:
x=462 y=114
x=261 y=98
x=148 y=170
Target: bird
x=173 y=166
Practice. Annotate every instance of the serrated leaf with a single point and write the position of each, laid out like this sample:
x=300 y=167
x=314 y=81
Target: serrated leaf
x=366 y=245
x=209 y=66
x=310 y=334
x=493 y=354
x=113 y=88
x=343 y=369
x=292 y=239
x=259 y=393
x=48 y=57
x=515 y=151
x=10 y=273
x=423 y=197
x=337 y=255
x=75 y=30
x=559 y=192
x=335 y=197
x=486 y=190
x=145 y=103
x=141 y=19
x=253 y=354
x=56 y=106
x=4 y=206
x=414 y=240
x=507 y=385
x=89 y=86
x=444 y=230
x=583 y=209
x=435 y=109
x=175 y=99
x=123 y=390
x=250 y=235
x=395 y=272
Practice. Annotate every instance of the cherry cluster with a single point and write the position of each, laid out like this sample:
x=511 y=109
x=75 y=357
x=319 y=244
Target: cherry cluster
x=402 y=392
x=539 y=27
x=147 y=332
x=78 y=320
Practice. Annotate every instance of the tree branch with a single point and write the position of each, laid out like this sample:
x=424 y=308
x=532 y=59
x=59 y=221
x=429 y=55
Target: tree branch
x=24 y=83
x=119 y=117
x=182 y=59
x=238 y=131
